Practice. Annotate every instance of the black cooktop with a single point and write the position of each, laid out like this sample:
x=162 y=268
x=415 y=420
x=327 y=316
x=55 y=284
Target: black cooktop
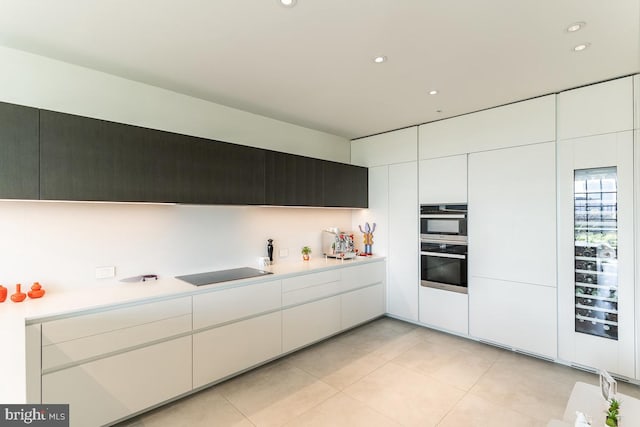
x=222 y=276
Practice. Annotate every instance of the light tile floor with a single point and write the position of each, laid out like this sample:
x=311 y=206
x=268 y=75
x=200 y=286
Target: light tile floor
x=385 y=373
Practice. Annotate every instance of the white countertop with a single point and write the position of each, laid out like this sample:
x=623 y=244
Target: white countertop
x=14 y=316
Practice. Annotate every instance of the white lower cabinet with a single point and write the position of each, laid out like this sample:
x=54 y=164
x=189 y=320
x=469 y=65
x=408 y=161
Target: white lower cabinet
x=444 y=309
x=225 y=350
x=108 y=389
x=517 y=315
x=113 y=363
x=310 y=322
x=361 y=305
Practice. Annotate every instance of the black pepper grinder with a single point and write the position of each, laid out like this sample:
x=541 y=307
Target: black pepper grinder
x=270 y=250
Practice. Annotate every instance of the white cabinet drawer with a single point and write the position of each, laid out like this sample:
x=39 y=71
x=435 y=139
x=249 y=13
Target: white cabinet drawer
x=297 y=290
x=236 y=303
x=86 y=325
x=223 y=351
x=108 y=389
x=361 y=305
x=60 y=354
x=310 y=322
x=308 y=280
x=362 y=275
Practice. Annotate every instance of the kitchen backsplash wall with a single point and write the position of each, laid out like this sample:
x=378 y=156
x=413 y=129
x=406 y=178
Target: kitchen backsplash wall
x=60 y=244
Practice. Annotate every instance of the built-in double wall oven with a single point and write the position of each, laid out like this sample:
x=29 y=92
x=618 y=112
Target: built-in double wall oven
x=443 y=247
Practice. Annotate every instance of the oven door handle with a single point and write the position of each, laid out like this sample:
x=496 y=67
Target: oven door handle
x=443 y=216
x=444 y=255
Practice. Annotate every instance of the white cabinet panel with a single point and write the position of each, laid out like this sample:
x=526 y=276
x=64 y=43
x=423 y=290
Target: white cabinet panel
x=56 y=355
x=386 y=148
x=109 y=389
x=612 y=149
x=308 y=287
x=33 y=362
x=597 y=109
x=444 y=309
x=362 y=275
x=636 y=100
x=443 y=180
x=310 y=280
x=512 y=214
x=223 y=351
x=230 y=304
x=362 y=305
x=310 y=322
x=85 y=325
x=402 y=287
x=521 y=123
x=518 y=315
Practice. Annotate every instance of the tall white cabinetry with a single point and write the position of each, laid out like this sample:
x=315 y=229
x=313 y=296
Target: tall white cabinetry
x=596 y=227
x=512 y=247
x=393 y=205
x=442 y=180
x=512 y=223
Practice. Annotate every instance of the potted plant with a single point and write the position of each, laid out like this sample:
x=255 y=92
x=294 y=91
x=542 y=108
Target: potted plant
x=306 y=250
x=613 y=413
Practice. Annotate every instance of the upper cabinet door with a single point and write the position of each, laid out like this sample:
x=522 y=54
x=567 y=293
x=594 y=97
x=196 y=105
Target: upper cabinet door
x=443 y=180
x=387 y=148
x=597 y=109
x=18 y=152
x=345 y=185
x=520 y=123
x=292 y=180
x=89 y=159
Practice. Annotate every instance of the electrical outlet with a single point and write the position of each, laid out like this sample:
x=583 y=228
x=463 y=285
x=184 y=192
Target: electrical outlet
x=284 y=253
x=105 y=272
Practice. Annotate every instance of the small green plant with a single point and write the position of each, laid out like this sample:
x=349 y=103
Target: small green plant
x=306 y=250
x=613 y=413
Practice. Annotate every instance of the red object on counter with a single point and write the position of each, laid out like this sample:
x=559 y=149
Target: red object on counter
x=36 y=291
x=3 y=293
x=19 y=296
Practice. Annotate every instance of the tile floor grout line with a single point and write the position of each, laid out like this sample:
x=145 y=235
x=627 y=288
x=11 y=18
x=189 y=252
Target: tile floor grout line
x=235 y=407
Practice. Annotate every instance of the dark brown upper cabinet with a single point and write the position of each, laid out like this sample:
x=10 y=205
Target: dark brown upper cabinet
x=89 y=159
x=19 y=166
x=292 y=180
x=345 y=186
x=57 y=156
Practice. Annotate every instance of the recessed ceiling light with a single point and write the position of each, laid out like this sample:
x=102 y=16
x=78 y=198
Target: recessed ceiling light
x=575 y=27
x=581 y=47
x=380 y=59
x=287 y=3
x=433 y=92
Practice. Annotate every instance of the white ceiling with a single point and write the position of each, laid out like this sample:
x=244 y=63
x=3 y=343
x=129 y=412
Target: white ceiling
x=312 y=64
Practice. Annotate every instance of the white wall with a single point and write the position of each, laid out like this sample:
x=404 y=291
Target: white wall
x=41 y=82
x=60 y=244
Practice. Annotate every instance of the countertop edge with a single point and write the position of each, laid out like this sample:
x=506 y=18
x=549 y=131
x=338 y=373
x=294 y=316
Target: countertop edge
x=190 y=290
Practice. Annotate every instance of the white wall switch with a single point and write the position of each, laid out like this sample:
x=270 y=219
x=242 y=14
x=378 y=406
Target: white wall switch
x=284 y=253
x=105 y=272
